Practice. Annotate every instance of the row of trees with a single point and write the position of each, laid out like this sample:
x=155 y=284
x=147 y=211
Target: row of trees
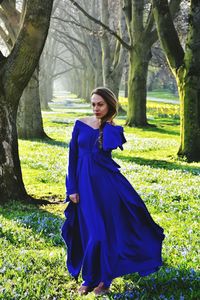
x=87 y=54
x=93 y=51
x=101 y=39
x=138 y=26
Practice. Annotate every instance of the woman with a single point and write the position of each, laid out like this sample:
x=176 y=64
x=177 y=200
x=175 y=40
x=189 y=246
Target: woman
x=108 y=229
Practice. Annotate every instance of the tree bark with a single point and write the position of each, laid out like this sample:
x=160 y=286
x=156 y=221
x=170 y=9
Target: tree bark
x=15 y=72
x=138 y=69
x=142 y=37
x=11 y=184
x=189 y=93
x=45 y=91
x=112 y=65
x=186 y=69
x=12 y=21
x=29 y=117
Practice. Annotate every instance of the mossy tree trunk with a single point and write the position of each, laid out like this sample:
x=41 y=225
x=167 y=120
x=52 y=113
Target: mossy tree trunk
x=185 y=66
x=189 y=93
x=29 y=110
x=142 y=36
x=29 y=117
x=15 y=72
x=139 y=61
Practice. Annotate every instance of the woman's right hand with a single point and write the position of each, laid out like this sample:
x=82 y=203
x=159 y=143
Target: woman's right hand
x=74 y=198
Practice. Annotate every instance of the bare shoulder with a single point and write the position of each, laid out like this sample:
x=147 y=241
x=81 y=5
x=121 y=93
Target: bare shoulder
x=85 y=120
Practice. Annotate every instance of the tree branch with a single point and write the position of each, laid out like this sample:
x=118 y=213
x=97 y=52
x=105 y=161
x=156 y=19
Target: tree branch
x=71 y=38
x=61 y=72
x=174 y=7
x=167 y=34
x=69 y=64
x=76 y=24
x=21 y=62
x=101 y=24
x=73 y=50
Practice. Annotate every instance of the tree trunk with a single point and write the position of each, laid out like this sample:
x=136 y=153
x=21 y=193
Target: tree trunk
x=46 y=93
x=112 y=65
x=84 y=84
x=189 y=93
x=98 y=68
x=138 y=69
x=185 y=66
x=126 y=83
x=90 y=83
x=189 y=89
x=11 y=184
x=27 y=112
x=15 y=73
x=29 y=117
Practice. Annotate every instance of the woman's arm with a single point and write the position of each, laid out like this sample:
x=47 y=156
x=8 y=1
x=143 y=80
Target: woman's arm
x=71 y=183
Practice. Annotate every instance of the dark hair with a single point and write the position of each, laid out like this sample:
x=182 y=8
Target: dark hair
x=112 y=102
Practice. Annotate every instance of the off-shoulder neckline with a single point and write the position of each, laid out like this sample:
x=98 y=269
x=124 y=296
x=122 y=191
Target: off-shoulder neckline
x=107 y=123
x=87 y=125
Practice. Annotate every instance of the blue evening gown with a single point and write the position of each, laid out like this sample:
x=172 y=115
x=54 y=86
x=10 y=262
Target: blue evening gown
x=110 y=232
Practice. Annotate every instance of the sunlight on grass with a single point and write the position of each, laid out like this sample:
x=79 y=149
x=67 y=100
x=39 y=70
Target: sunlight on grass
x=33 y=255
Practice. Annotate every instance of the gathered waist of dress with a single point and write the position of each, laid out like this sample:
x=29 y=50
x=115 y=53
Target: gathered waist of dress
x=85 y=153
x=102 y=158
x=93 y=153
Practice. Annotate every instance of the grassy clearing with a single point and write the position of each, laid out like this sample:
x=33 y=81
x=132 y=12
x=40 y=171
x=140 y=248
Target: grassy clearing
x=163 y=94
x=32 y=260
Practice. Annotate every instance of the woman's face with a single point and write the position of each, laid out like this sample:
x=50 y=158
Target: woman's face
x=99 y=106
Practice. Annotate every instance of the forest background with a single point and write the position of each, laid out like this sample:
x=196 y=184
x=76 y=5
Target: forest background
x=52 y=55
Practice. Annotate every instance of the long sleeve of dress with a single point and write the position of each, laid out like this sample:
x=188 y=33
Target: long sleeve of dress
x=71 y=184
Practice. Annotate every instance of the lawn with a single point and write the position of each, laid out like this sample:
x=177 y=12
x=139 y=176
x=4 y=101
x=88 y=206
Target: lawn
x=33 y=255
x=162 y=94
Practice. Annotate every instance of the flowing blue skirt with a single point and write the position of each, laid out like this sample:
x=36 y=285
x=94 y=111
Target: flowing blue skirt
x=110 y=232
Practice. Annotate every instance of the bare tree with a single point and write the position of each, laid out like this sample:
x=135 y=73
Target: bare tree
x=98 y=53
x=142 y=35
x=78 y=36
x=113 y=54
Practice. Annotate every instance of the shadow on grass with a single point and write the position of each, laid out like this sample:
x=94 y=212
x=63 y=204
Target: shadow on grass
x=51 y=142
x=159 y=129
x=167 y=281
x=158 y=164
x=157 y=125
x=34 y=216
x=156 y=128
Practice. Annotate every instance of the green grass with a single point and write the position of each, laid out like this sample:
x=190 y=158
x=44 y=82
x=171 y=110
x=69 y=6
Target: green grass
x=32 y=260
x=163 y=94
